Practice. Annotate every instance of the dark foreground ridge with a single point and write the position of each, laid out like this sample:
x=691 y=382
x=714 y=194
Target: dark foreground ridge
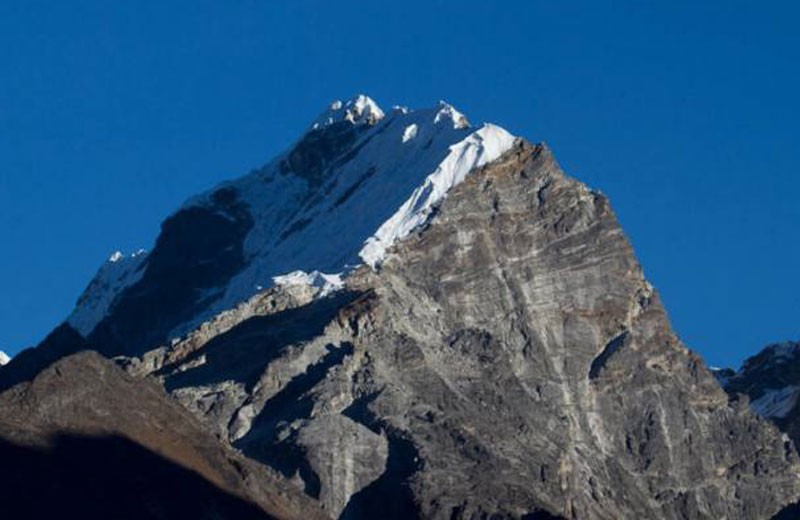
x=109 y=477
x=86 y=440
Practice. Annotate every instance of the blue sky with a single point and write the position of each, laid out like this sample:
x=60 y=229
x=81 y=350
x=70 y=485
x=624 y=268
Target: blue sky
x=684 y=113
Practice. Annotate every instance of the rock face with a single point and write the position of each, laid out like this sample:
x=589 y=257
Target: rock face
x=509 y=359
x=499 y=355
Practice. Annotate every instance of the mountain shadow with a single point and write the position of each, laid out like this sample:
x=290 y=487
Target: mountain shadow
x=108 y=477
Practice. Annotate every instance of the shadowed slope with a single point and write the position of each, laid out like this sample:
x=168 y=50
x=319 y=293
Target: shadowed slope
x=84 y=427
x=109 y=477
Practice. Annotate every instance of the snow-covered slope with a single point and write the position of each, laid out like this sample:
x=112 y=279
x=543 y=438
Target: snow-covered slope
x=117 y=273
x=358 y=181
x=771 y=379
x=4 y=358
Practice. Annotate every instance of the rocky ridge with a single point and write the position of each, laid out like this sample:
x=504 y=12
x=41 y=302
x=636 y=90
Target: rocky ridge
x=770 y=380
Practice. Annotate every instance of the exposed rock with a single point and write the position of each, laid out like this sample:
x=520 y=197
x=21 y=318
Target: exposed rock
x=507 y=361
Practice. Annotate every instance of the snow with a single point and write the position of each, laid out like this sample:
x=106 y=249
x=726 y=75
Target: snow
x=328 y=283
x=361 y=109
x=481 y=147
x=4 y=358
x=776 y=403
x=448 y=113
x=362 y=207
x=410 y=132
x=119 y=271
x=386 y=183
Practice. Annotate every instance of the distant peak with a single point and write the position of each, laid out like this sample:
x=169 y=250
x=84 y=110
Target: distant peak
x=359 y=110
x=4 y=358
x=783 y=351
x=448 y=113
x=118 y=256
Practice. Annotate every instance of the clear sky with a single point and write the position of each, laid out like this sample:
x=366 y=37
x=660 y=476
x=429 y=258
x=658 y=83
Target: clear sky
x=684 y=113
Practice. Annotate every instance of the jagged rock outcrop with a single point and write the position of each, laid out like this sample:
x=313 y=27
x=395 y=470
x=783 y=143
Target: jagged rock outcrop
x=82 y=439
x=509 y=359
x=496 y=354
x=771 y=382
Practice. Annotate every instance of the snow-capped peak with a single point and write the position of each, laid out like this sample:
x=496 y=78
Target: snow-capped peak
x=448 y=113
x=375 y=186
x=359 y=110
x=119 y=272
x=4 y=358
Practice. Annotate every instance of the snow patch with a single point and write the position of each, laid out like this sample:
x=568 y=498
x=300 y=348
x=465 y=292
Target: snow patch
x=327 y=283
x=776 y=403
x=4 y=358
x=479 y=148
x=410 y=132
x=448 y=113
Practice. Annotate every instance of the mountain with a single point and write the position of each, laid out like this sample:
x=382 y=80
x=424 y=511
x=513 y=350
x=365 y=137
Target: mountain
x=407 y=316
x=771 y=381
x=4 y=358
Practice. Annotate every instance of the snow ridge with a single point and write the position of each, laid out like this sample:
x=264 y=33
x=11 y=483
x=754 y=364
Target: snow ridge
x=4 y=358
x=119 y=271
x=479 y=148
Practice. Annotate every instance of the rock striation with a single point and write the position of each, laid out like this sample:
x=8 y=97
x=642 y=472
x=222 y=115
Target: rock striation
x=491 y=349
x=509 y=359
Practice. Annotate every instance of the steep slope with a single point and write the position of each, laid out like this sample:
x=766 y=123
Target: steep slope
x=771 y=381
x=507 y=358
x=357 y=175
x=85 y=440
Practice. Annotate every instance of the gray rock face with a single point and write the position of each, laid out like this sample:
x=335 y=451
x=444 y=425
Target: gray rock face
x=507 y=361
